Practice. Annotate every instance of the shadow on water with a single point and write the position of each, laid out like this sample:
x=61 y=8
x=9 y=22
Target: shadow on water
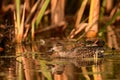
x=44 y=67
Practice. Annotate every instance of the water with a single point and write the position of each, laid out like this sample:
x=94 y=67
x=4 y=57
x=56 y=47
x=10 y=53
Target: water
x=44 y=67
x=66 y=69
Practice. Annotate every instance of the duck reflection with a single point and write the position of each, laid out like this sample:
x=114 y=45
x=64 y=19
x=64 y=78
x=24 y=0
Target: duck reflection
x=85 y=55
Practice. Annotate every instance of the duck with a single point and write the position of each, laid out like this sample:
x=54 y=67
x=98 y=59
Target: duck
x=85 y=51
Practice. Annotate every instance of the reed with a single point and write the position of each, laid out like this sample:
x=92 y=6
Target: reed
x=18 y=35
x=34 y=18
x=38 y=18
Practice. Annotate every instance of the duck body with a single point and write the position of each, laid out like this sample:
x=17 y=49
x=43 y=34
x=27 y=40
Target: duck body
x=87 y=52
x=79 y=51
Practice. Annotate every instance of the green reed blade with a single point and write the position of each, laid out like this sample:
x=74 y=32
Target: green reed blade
x=47 y=74
x=41 y=12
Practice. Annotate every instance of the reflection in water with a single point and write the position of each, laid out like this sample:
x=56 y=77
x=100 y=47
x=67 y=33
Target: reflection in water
x=45 y=67
x=74 y=69
x=66 y=69
x=7 y=68
x=61 y=63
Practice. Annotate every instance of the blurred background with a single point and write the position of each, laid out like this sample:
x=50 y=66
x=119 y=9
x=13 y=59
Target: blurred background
x=46 y=22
